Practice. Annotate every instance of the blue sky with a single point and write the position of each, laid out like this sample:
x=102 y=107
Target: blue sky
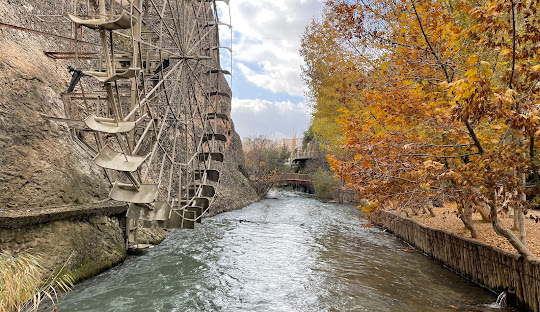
x=267 y=85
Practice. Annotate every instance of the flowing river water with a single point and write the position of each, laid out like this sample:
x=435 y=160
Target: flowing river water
x=287 y=253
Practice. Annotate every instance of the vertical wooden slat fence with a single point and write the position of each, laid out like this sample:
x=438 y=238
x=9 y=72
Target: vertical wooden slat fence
x=484 y=264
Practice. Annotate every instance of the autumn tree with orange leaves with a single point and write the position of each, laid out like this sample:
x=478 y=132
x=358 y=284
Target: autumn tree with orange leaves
x=431 y=99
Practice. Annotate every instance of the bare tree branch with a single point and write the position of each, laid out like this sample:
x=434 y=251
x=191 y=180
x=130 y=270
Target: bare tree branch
x=439 y=156
x=513 y=45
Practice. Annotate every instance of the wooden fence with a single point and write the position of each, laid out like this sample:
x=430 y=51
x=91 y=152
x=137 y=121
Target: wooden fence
x=486 y=265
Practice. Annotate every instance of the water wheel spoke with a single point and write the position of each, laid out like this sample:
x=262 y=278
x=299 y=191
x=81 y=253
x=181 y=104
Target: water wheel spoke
x=156 y=125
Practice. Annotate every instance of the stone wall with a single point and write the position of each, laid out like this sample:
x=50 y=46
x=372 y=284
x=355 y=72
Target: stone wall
x=83 y=248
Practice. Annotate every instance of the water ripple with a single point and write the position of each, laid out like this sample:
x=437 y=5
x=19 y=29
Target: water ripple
x=289 y=253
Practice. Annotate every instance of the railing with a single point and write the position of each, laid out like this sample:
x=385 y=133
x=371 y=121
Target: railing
x=306 y=155
x=297 y=177
x=348 y=196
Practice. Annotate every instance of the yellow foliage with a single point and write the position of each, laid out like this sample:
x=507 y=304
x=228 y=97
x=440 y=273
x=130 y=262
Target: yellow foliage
x=372 y=207
x=436 y=103
x=472 y=60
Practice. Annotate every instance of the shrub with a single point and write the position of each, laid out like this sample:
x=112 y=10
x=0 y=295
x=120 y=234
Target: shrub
x=325 y=185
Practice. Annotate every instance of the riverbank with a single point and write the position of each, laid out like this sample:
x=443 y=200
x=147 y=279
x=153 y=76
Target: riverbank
x=482 y=263
x=82 y=247
x=86 y=240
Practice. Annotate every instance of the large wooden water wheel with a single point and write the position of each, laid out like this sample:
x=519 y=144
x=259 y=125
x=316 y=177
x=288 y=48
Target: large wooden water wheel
x=155 y=117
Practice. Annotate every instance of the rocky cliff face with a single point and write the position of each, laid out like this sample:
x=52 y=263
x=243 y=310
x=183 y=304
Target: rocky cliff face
x=40 y=166
x=234 y=191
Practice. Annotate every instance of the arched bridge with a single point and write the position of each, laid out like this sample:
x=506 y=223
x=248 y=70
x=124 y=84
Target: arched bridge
x=304 y=183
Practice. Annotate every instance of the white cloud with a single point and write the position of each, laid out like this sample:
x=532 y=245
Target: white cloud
x=255 y=117
x=257 y=106
x=274 y=78
x=289 y=107
x=266 y=41
x=247 y=105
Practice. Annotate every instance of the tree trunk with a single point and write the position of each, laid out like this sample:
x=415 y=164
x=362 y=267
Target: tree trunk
x=519 y=216
x=429 y=207
x=484 y=212
x=521 y=212
x=465 y=214
x=521 y=226
x=432 y=212
x=516 y=243
x=515 y=227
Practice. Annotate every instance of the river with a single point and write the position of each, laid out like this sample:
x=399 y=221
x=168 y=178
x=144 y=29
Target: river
x=287 y=253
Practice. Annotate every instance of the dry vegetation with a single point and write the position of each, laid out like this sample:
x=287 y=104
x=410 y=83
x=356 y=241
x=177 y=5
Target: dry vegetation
x=446 y=218
x=22 y=284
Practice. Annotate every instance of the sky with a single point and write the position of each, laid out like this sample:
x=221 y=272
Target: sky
x=268 y=93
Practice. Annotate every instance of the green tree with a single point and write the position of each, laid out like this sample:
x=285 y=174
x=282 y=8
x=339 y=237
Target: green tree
x=309 y=137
